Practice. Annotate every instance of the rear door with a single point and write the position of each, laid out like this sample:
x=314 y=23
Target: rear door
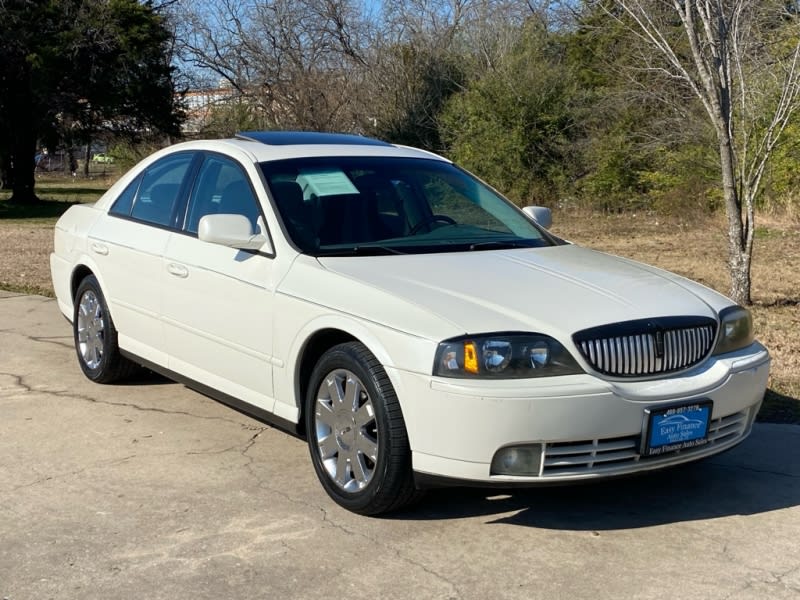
x=127 y=246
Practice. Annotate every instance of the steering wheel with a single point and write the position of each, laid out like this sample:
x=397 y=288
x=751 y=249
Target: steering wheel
x=432 y=219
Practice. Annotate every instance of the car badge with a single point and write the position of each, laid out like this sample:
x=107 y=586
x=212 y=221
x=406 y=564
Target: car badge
x=659 y=339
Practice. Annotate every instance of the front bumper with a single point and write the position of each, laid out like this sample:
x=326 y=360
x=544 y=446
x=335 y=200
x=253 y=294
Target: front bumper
x=587 y=427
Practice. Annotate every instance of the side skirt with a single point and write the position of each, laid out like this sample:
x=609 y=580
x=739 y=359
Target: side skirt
x=243 y=407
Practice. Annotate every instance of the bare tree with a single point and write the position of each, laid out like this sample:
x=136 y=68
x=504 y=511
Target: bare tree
x=380 y=68
x=741 y=60
x=299 y=61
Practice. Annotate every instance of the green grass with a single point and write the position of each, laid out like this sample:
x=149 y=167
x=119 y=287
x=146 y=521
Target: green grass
x=42 y=211
x=56 y=195
x=29 y=290
x=76 y=193
x=762 y=233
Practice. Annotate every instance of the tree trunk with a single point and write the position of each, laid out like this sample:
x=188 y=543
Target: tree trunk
x=87 y=159
x=6 y=176
x=23 y=133
x=739 y=251
x=23 y=166
x=740 y=280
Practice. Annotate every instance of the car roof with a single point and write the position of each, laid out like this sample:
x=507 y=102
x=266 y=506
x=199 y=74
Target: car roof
x=302 y=138
x=264 y=146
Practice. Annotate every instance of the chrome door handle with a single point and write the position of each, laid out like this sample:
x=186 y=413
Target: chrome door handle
x=178 y=270
x=101 y=249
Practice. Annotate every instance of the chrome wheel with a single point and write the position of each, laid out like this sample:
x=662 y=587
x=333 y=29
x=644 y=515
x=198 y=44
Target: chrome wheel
x=90 y=329
x=346 y=430
x=96 y=338
x=356 y=434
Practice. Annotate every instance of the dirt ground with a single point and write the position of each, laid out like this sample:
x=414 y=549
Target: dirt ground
x=25 y=256
x=694 y=248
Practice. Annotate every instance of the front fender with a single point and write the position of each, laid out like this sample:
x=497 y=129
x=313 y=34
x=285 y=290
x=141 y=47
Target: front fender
x=395 y=350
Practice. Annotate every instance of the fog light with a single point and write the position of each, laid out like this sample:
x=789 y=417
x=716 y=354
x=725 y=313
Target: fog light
x=517 y=460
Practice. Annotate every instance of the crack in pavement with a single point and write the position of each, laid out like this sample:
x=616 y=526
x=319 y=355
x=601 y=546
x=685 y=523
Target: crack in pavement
x=18 y=381
x=42 y=339
x=52 y=340
x=759 y=575
x=101 y=463
x=21 y=382
x=249 y=444
x=327 y=520
x=208 y=452
x=782 y=576
x=243 y=451
x=398 y=554
x=771 y=579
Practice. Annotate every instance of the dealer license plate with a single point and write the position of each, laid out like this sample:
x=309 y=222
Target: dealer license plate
x=676 y=427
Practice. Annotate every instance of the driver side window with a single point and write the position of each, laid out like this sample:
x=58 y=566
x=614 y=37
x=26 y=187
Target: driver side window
x=221 y=187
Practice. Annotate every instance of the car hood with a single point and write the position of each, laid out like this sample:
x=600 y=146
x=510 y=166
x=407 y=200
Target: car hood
x=555 y=290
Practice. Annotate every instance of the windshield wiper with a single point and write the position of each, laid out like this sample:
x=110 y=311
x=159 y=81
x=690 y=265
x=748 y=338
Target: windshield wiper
x=375 y=250
x=369 y=250
x=499 y=245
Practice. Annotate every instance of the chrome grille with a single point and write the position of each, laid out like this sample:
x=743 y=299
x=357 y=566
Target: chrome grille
x=646 y=347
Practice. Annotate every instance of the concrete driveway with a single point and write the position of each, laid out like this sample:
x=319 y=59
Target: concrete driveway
x=149 y=491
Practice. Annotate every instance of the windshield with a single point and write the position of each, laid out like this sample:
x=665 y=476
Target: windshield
x=383 y=205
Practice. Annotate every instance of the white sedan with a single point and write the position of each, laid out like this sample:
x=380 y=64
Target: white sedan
x=416 y=327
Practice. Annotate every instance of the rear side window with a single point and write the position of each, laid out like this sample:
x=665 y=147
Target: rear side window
x=159 y=189
x=123 y=204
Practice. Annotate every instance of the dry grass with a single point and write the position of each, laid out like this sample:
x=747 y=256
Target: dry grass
x=695 y=248
x=27 y=231
x=25 y=257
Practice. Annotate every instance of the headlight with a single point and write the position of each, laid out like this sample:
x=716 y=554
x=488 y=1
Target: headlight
x=735 y=330
x=503 y=356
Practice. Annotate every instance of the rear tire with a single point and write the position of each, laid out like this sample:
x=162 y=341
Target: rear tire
x=95 y=336
x=356 y=433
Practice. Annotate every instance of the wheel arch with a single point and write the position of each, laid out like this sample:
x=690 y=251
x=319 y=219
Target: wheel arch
x=395 y=350
x=79 y=273
x=103 y=362
x=319 y=336
x=317 y=344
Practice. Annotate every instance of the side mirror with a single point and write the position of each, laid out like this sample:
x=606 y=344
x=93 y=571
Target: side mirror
x=541 y=214
x=233 y=231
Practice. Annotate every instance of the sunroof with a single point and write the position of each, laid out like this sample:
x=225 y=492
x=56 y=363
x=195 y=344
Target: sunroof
x=291 y=138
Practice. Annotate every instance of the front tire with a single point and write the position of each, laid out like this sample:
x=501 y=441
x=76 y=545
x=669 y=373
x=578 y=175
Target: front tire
x=95 y=336
x=356 y=433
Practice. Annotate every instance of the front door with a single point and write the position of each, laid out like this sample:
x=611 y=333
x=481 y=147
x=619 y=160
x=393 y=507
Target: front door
x=217 y=307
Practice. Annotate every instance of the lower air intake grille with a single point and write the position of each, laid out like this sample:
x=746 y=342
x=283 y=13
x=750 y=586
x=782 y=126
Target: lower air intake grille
x=565 y=459
x=647 y=347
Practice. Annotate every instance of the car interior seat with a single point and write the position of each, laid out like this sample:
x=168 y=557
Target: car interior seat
x=297 y=213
